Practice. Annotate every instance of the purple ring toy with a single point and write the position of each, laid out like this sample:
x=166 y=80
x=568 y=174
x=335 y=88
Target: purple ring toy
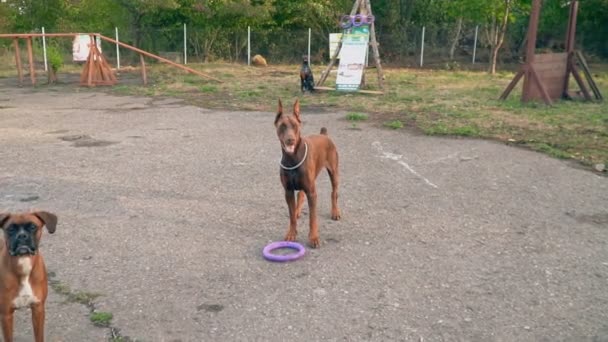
x=283 y=244
x=358 y=20
x=346 y=21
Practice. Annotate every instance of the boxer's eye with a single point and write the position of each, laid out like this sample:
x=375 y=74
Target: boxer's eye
x=30 y=227
x=12 y=229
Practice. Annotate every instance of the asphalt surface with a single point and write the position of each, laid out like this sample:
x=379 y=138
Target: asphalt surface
x=164 y=210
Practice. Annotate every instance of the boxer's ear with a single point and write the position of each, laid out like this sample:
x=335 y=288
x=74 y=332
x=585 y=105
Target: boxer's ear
x=3 y=218
x=50 y=220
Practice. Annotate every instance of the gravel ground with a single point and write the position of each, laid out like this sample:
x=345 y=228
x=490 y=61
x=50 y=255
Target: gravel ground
x=164 y=209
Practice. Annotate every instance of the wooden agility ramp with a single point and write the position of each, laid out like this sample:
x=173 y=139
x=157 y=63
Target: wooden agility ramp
x=96 y=70
x=547 y=76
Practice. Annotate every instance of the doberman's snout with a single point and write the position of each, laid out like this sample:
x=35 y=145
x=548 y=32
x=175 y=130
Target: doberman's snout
x=290 y=141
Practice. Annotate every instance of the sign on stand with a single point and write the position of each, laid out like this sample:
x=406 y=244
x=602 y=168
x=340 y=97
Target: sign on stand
x=81 y=47
x=352 y=59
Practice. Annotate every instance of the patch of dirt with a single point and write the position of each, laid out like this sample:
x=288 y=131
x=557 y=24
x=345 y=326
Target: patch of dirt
x=83 y=140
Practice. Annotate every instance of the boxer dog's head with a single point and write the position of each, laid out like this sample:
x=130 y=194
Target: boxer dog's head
x=22 y=232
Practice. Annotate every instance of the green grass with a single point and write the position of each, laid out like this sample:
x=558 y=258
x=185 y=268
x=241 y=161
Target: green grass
x=101 y=318
x=394 y=124
x=356 y=117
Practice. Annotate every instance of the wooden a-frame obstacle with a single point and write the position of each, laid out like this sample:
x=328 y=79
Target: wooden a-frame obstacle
x=96 y=70
x=362 y=7
x=546 y=76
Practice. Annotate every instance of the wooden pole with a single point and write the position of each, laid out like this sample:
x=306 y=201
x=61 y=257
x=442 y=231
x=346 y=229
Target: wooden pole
x=531 y=47
x=30 y=57
x=18 y=61
x=91 y=61
x=374 y=43
x=144 y=77
x=570 y=36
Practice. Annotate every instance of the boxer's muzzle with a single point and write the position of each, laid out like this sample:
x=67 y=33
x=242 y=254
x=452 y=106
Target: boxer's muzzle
x=21 y=239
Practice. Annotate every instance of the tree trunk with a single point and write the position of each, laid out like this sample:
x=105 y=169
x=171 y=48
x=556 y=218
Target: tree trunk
x=499 y=36
x=456 y=38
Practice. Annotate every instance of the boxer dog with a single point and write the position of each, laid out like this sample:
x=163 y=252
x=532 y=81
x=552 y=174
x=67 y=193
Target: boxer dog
x=23 y=278
x=303 y=159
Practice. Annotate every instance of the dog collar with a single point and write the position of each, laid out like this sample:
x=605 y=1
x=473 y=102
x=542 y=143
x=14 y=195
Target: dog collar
x=290 y=168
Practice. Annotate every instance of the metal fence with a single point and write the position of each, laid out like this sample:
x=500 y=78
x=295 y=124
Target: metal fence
x=432 y=46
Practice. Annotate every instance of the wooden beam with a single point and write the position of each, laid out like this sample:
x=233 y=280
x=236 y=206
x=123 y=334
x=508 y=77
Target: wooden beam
x=512 y=85
x=18 y=61
x=570 y=43
x=587 y=72
x=375 y=92
x=144 y=77
x=164 y=60
x=374 y=44
x=30 y=57
x=532 y=31
x=580 y=82
x=541 y=87
x=27 y=35
x=91 y=61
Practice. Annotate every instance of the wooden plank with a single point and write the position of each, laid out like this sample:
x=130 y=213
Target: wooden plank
x=541 y=87
x=28 y=35
x=581 y=84
x=587 y=72
x=18 y=61
x=164 y=60
x=375 y=92
x=374 y=44
x=144 y=77
x=512 y=85
x=550 y=69
x=30 y=57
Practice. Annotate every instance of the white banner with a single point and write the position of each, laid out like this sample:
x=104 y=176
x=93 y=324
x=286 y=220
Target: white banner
x=334 y=39
x=352 y=61
x=81 y=47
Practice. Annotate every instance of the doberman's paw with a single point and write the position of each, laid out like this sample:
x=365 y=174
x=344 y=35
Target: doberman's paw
x=313 y=241
x=335 y=215
x=291 y=236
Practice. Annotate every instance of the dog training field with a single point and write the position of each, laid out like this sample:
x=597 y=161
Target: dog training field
x=164 y=209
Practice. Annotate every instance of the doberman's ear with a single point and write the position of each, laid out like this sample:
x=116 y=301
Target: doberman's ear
x=50 y=220
x=296 y=110
x=3 y=218
x=279 y=113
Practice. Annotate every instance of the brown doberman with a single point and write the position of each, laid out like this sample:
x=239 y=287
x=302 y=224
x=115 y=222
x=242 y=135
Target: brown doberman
x=302 y=161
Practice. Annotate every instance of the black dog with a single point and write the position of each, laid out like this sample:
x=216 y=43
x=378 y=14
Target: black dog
x=307 y=81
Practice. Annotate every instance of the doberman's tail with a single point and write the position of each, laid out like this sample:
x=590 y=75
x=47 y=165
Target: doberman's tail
x=324 y=130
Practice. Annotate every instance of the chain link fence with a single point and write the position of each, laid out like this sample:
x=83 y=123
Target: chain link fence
x=447 y=46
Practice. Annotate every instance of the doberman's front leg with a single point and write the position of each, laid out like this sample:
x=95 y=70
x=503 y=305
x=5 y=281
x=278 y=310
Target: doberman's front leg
x=313 y=233
x=299 y=204
x=293 y=220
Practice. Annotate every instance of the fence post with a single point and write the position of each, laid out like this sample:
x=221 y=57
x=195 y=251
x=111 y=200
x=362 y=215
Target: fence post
x=309 y=36
x=185 y=46
x=475 y=46
x=117 y=49
x=46 y=68
x=422 y=48
x=248 y=45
